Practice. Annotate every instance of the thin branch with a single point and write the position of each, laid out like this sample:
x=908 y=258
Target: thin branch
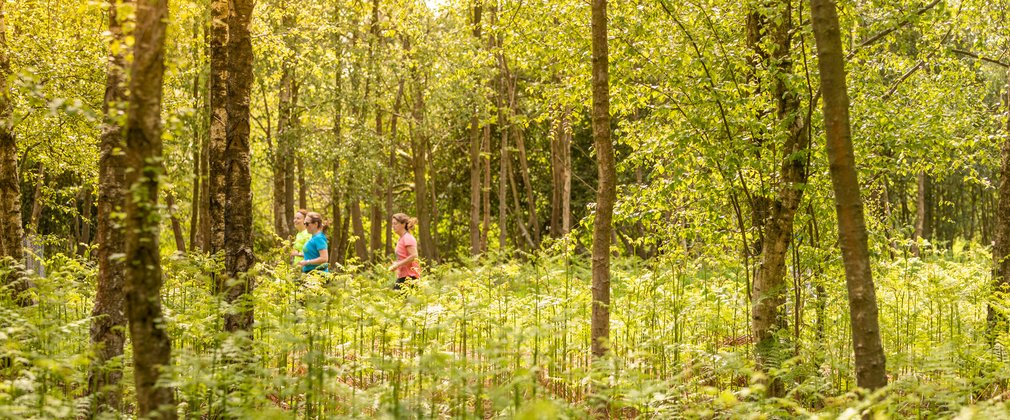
x=907 y=74
x=978 y=57
x=903 y=23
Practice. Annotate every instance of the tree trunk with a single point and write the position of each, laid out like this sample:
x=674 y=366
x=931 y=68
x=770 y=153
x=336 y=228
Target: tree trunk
x=394 y=142
x=218 y=140
x=195 y=239
x=606 y=191
x=283 y=179
x=238 y=249
x=770 y=285
x=870 y=361
x=336 y=196
x=151 y=344
x=180 y=240
x=923 y=211
x=108 y=322
x=486 y=190
x=996 y=320
x=375 y=224
x=533 y=223
x=40 y=180
x=10 y=185
x=303 y=199
x=360 y=244
x=426 y=246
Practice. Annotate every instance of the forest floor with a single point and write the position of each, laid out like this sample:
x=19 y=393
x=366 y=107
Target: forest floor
x=512 y=339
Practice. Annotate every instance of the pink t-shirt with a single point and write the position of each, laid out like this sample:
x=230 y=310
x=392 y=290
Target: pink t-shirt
x=413 y=268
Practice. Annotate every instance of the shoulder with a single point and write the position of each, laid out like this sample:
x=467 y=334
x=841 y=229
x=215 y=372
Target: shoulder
x=409 y=240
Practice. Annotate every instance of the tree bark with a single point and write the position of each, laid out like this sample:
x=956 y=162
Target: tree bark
x=394 y=142
x=426 y=246
x=923 y=211
x=475 y=131
x=218 y=140
x=180 y=240
x=238 y=180
x=360 y=243
x=303 y=199
x=108 y=317
x=770 y=285
x=606 y=190
x=486 y=189
x=869 y=352
x=151 y=344
x=997 y=321
x=10 y=185
x=375 y=222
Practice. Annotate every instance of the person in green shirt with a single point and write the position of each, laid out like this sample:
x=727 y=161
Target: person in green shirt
x=301 y=237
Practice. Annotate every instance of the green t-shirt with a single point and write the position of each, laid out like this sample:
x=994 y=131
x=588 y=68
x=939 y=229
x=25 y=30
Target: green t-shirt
x=301 y=239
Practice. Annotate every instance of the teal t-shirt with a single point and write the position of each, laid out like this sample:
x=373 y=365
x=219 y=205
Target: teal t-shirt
x=311 y=250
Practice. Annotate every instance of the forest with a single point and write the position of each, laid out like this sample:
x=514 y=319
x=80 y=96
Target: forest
x=504 y=209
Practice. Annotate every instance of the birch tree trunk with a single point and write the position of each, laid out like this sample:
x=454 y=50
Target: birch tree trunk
x=151 y=344
x=218 y=140
x=238 y=180
x=607 y=191
x=869 y=352
x=997 y=322
x=108 y=325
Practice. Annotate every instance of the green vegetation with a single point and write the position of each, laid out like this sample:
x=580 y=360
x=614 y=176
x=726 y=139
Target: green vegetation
x=755 y=267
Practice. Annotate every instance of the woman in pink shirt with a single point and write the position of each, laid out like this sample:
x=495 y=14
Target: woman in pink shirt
x=406 y=265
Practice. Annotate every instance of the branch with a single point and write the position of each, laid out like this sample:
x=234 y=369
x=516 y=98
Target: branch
x=879 y=36
x=977 y=57
x=907 y=74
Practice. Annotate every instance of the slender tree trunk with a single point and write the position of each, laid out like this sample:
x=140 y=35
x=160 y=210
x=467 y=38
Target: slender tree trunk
x=475 y=131
x=37 y=199
x=238 y=180
x=360 y=243
x=870 y=361
x=426 y=247
x=770 y=285
x=486 y=190
x=923 y=211
x=151 y=344
x=218 y=139
x=303 y=199
x=533 y=223
x=394 y=142
x=283 y=181
x=108 y=323
x=607 y=191
x=997 y=321
x=180 y=239
x=375 y=224
x=336 y=196
x=10 y=185
x=198 y=131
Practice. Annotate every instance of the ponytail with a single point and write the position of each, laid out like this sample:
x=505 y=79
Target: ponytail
x=407 y=221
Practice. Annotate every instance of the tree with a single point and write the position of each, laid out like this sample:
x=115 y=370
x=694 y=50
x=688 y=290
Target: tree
x=10 y=185
x=218 y=140
x=238 y=180
x=606 y=190
x=109 y=319
x=870 y=361
x=769 y=293
x=151 y=344
x=997 y=322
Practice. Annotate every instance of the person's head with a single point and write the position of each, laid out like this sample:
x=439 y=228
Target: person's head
x=300 y=219
x=314 y=222
x=403 y=223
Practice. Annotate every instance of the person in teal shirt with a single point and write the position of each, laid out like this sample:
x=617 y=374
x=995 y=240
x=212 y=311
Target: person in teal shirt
x=315 y=253
x=301 y=237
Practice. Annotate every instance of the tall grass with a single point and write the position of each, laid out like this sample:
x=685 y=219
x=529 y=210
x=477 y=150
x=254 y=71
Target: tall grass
x=512 y=339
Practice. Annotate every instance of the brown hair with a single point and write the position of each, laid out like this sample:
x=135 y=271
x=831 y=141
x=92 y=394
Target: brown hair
x=407 y=221
x=302 y=211
x=313 y=217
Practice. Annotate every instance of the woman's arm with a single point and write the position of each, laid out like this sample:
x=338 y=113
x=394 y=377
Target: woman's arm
x=324 y=256
x=411 y=256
